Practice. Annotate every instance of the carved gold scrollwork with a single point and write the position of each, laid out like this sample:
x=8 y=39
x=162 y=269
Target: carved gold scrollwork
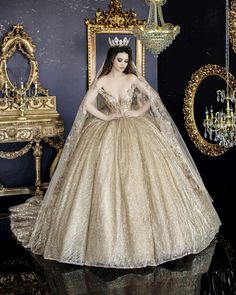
x=56 y=142
x=17 y=154
x=189 y=101
x=16 y=134
x=114 y=21
x=115 y=17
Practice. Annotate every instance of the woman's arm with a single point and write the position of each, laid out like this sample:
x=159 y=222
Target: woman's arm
x=91 y=105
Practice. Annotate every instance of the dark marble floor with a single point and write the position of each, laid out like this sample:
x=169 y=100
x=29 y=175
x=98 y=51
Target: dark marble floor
x=210 y=272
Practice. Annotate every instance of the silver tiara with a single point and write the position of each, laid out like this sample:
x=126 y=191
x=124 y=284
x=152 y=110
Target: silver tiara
x=118 y=42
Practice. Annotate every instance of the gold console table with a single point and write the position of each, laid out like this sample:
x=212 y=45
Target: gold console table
x=32 y=131
x=27 y=113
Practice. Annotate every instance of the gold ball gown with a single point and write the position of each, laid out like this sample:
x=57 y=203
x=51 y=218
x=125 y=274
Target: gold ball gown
x=126 y=193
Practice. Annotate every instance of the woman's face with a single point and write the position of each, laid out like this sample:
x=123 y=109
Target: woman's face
x=121 y=61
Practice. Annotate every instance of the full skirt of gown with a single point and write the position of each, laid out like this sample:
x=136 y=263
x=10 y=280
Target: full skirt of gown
x=125 y=201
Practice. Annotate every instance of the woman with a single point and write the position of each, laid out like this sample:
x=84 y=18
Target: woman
x=126 y=192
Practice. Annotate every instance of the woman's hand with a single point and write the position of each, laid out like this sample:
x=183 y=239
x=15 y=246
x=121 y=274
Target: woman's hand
x=113 y=116
x=133 y=113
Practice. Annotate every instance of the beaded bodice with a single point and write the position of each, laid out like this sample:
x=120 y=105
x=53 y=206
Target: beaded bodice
x=123 y=104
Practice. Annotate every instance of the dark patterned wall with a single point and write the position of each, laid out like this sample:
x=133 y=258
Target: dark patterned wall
x=58 y=30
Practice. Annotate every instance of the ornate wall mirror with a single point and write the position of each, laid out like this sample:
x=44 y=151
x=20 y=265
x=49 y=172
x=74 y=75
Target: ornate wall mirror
x=20 y=90
x=110 y=24
x=18 y=68
x=18 y=46
x=214 y=77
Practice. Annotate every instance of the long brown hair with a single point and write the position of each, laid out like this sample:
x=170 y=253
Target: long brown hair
x=111 y=54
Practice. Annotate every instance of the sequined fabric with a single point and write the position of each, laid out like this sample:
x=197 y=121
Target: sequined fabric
x=127 y=198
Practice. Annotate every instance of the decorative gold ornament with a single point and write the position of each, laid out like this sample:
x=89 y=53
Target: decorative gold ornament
x=17 y=39
x=111 y=22
x=27 y=113
x=115 y=17
x=156 y=35
x=17 y=154
x=204 y=72
x=31 y=96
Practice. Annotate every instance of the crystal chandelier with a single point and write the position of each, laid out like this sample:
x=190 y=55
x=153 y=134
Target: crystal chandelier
x=221 y=126
x=156 y=35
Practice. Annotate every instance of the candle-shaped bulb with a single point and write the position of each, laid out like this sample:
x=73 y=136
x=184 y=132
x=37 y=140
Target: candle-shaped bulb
x=207 y=116
x=5 y=91
x=231 y=111
x=211 y=111
x=36 y=87
x=21 y=85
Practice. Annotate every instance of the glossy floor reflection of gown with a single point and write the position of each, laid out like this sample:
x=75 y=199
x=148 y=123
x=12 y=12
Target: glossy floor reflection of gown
x=124 y=202
x=183 y=278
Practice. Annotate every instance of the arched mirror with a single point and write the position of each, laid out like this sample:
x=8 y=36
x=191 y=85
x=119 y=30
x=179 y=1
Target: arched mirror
x=18 y=69
x=110 y=24
x=18 y=64
x=201 y=92
x=21 y=93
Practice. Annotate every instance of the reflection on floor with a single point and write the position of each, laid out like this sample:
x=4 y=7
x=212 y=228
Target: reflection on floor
x=209 y=272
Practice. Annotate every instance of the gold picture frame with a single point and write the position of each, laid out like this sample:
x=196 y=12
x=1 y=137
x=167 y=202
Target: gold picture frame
x=203 y=145
x=111 y=22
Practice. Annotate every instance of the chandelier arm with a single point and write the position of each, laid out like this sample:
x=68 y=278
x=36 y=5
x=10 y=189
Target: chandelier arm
x=152 y=16
x=161 y=15
x=227 y=44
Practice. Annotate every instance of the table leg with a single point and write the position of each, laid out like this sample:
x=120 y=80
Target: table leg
x=38 y=156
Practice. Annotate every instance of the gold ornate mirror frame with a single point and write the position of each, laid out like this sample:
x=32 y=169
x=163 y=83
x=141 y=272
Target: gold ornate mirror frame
x=204 y=72
x=17 y=39
x=114 y=21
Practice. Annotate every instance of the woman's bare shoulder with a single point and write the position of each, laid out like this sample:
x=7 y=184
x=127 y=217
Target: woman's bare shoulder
x=132 y=78
x=102 y=81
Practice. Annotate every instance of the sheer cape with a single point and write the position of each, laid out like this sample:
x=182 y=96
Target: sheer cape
x=36 y=214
